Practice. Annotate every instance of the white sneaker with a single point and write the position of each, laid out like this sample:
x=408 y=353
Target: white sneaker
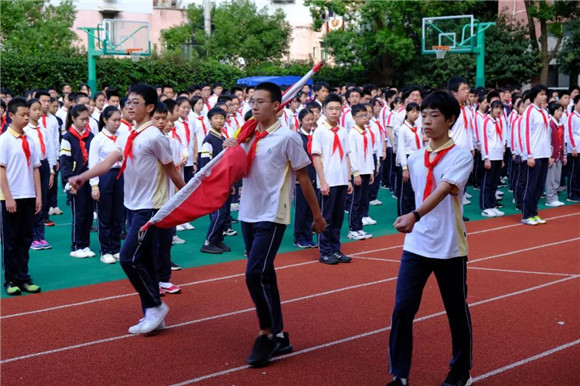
x=117 y=256
x=79 y=254
x=355 y=235
x=154 y=317
x=107 y=258
x=179 y=228
x=365 y=235
x=94 y=216
x=529 y=221
x=234 y=207
x=188 y=227
x=555 y=203
x=488 y=213
x=88 y=252
x=466 y=201
x=137 y=328
x=177 y=240
x=467 y=195
x=51 y=211
x=368 y=221
x=54 y=211
x=498 y=212
x=375 y=202
x=498 y=197
x=499 y=193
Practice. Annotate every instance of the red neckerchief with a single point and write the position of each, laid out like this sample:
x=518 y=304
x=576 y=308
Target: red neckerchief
x=430 y=165
x=372 y=135
x=414 y=130
x=252 y=152
x=225 y=132
x=130 y=125
x=41 y=140
x=44 y=121
x=203 y=125
x=174 y=134
x=570 y=132
x=81 y=138
x=336 y=143
x=25 y=144
x=464 y=117
x=112 y=137
x=309 y=143
x=187 y=131
x=128 y=151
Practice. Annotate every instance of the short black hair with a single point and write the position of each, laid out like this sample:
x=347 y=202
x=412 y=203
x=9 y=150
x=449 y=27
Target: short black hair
x=534 y=91
x=407 y=91
x=331 y=98
x=15 y=103
x=273 y=89
x=216 y=111
x=180 y=100
x=193 y=87
x=496 y=103
x=249 y=114
x=413 y=106
x=563 y=93
x=32 y=101
x=170 y=104
x=358 y=108
x=111 y=92
x=574 y=87
x=389 y=94
x=40 y=93
x=444 y=102
x=224 y=98
x=455 y=82
x=78 y=96
x=222 y=105
x=98 y=95
x=553 y=106
x=161 y=108
x=303 y=113
x=315 y=105
x=106 y=114
x=319 y=85
x=147 y=92
x=217 y=84
x=350 y=91
x=576 y=99
x=491 y=95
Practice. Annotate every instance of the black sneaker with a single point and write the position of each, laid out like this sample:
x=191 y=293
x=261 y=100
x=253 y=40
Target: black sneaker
x=342 y=258
x=212 y=249
x=223 y=247
x=396 y=382
x=175 y=267
x=284 y=346
x=262 y=351
x=458 y=378
x=328 y=259
x=465 y=219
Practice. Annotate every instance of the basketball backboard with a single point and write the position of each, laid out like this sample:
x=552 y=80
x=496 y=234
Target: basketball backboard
x=458 y=32
x=124 y=37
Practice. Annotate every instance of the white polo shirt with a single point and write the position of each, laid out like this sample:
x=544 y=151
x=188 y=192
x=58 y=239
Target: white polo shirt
x=536 y=133
x=102 y=145
x=440 y=234
x=19 y=174
x=361 y=162
x=478 y=126
x=146 y=183
x=573 y=131
x=461 y=131
x=32 y=132
x=269 y=186
x=53 y=132
x=186 y=146
x=407 y=143
x=202 y=127
x=493 y=144
x=335 y=168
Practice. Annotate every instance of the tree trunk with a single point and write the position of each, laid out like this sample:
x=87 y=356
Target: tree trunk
x=544 y=55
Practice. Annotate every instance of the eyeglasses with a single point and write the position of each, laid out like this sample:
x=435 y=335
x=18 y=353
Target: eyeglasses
x=367 y=116
x=134 y=102
x=253 y=103
x=333 y=108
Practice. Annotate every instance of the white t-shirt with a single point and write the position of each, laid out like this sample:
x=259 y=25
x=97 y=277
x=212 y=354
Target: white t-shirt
x=361 y=162
x=32 y=132
x=461 y=131
x=269 y=186
x=441 y=233
x=103 y=144
x=407 y=142
x=146 y=183
x=19 y=174
x=335 y=167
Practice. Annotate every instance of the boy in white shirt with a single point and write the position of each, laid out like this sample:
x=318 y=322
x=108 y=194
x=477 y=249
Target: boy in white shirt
x=492 y=151
x=353 y=97
x=436 y=242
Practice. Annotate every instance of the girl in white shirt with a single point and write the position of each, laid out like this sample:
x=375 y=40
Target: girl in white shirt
x=492 y=150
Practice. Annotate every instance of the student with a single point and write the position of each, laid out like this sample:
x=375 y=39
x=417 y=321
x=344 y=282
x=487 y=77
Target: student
x=391 y=170
x=573 y=143
x=302 y=214
x=45 y=149
x=522 y=158
x=74 y=160
x=113 y=98
x=492 y=151
x=558 y=157
x=235 y=112
x=536 y=132
x=211 y=147
x=99 y=100
x=20 y=196
x=377 y=151
x=478 y=118
x=3 y=117
x=435 y=242
x=142 y=151
x=352 y=98
x=275 y=155
x=107 y=190
x=321 y=91
x=201 y=123
x=380 y=130
x=168 y=92
x=289 y=117
x=186 y=131
x=362 y=170
x=217 y=90
x=330 y=156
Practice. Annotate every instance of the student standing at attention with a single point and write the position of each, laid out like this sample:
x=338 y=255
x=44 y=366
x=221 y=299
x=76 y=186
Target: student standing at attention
x=436 y=242
x=275 y=156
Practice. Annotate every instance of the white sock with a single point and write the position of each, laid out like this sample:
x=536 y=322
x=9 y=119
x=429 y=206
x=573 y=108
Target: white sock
x=280 y=335
x=403 y=380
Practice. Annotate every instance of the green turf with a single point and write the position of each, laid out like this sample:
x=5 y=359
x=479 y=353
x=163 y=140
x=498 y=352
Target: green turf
x=55 y=269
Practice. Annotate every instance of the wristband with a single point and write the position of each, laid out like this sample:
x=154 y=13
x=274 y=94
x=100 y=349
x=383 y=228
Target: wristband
x=417 y=215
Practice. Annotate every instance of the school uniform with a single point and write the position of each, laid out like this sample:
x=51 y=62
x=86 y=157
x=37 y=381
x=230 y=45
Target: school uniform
x=145 y=151
x=331 y=144
x=125 y=127
x=520 y=164
x=389 y=166
x=45 y=149
x=202 y=127
x=346 y=120
x=74 y=160
x=19 y=156
x=492 y=149
x=110 y=209
x=461 y=132
x=558 y=154
x=536 y=135
x=574 y=144
x=409 y=141
x=265 y=213
x=477 y=173
x=96 y=115
x=186 y=132
x=437 y=244
x=378 y=139
x=362 y=165
x=396 y=122
x=62 y=113
x=54 y=135
x=212 y=146
x=303 y=217
x=289 y=120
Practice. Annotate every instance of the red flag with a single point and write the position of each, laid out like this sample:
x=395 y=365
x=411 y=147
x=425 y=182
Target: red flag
x=210 y=187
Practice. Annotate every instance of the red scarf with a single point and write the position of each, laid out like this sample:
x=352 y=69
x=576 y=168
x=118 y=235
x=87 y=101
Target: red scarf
x=296 y=123
x=417 y=141
x=225 y=132
x=130 y=125
x=336 y=143
x=430 y=165
x=25 y=147
x=464 y=117
x=41 y=140
x=44 y=121
x=187 y=132
x=381 y=128
x=372 y=136
x=498 y=128
x=128 y=151
x=174 y=134
x=203 y=125
x=252 y=152
x=81 y=138
x=112 y=137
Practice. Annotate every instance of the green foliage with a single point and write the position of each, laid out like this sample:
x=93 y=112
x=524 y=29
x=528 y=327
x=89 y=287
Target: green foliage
x=37 y=27
x=569 y=57
x=239 y=30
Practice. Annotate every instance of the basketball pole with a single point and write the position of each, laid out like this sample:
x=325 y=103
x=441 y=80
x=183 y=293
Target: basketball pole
x=479 y=50
x=92 y=53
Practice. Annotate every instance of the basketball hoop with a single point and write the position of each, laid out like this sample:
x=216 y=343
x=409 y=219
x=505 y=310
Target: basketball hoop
x=440 y=51
x=135 y=53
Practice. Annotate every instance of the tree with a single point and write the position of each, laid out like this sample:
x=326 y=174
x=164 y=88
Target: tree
x=551 y=17
x=569 y=57
x=37 y=27
x=239 y=30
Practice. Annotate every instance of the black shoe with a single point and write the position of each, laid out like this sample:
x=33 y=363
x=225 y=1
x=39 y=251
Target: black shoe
x=284 y=346
x=328 y=259
x=465 y=219
x=262 y=351
x=457 y=378
x=234 y=221
x=396 y=382
x=499 y=206
x=212 y=249
x=342 y=258
x=175 y=267
x=223 y=247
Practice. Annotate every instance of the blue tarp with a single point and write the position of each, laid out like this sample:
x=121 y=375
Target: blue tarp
x=287 y=80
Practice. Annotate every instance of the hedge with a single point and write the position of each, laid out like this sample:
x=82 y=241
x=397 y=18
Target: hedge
x=20 y=74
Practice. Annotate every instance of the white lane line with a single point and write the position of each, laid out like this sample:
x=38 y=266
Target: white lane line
x=526 y=361
x=520 y=271
x=525 y=250
x=369 y=333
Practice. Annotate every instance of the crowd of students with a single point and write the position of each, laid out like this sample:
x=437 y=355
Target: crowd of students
x=136 y=150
